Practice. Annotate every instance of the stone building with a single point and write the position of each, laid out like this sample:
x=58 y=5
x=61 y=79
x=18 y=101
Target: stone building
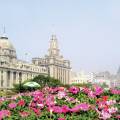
x=13 y=70
x=57 y=66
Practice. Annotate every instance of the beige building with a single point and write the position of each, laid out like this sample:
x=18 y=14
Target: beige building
x=13 y=70
x=57 y=66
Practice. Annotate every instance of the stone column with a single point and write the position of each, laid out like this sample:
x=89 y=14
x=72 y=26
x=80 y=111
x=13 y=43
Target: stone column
x=0 y=78
x=5 y=79
x=23 y=77
x=11 y=79
x=17 y=77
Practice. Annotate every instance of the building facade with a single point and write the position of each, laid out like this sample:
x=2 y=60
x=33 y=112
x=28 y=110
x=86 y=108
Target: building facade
x=57 y=66
x=81 y=77
x=111 y=80
x=13 y=70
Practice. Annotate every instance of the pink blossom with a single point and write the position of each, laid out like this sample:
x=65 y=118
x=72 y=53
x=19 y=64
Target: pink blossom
x=40 y=105
x=75 y=109
x=61 y=94
x=12 y=105
x=70 y=99
x=50 y=100
x=61 y=118
x=24 y=114
x=61 y=88
x=111 y=102
x=113 y=91
x=86 y=90
x=57 y=109
x=105 y=115
x=38 y=93
x=118 y=116
x=91 y=94
x=101 y=105
x=36 y=111
x=112 y=110
x=98 y=90
x=74 y=90
x=4 y=113
x=82 y=106
x=32 y=104
x=50 y=109
x=21 y=103
x=65 y=109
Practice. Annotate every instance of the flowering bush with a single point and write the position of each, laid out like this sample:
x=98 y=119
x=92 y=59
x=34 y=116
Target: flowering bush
x=60 y=103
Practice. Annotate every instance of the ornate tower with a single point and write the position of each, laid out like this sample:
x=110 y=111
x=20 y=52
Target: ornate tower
x=53 y=49
x=57 y=66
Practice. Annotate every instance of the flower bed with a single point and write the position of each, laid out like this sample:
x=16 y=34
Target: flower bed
x=74 y=103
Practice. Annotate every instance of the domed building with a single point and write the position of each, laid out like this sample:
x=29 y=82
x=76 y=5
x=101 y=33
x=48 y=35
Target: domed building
x=13 y=70
x=7 y=51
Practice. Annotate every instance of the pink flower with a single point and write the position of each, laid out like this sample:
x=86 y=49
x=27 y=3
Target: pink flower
x=65 y=109
x=105 y=115
x=118 y=116
x=98 y=90
x=111 y=102
x=112 y=110
x=40 y=105
x=12 y=105
x=61 y=88
x=113 y=91
x=24 y=114
x=57 y=109
x=101 y=105
x=38 y=94
x=91 y=94
x=74 y=90
x=61 y=118
x=21 y=103
x=50 y=100
x=75 y=109
x=82 y=106
x=4 y=113
x=36 y=111
x=86 y=90
x=61 y=94
x=32 y=104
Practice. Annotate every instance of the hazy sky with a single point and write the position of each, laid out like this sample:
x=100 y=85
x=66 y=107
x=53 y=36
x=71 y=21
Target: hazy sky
x=88 y=31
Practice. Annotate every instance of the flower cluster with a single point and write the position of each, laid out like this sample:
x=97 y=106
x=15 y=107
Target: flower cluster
x=60 y=103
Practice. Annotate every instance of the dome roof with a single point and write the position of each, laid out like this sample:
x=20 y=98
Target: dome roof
x=6 y=44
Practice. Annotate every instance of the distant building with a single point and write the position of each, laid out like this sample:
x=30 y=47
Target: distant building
x=107 y=78
x=81 y=77
x=13 y=70
x=57 y=66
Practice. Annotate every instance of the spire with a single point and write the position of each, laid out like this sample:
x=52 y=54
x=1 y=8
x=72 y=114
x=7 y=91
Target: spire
x=4 y=36
x=53 y=42
x=53 y=50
